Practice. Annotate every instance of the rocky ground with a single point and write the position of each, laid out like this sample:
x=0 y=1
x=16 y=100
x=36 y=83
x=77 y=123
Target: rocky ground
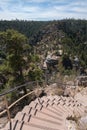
x=3 y=121
x=71 y=125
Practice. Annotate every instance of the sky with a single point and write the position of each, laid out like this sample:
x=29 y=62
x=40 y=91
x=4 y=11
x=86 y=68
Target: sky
x=42 y=10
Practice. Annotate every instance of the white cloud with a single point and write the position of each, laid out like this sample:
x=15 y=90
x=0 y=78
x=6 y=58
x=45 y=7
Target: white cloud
x=37 y=1
x=75 y=7
x=56 y=9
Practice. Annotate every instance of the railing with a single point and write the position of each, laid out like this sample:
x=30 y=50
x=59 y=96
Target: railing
x=8 y=107
x=28 y=85
x=13 y=90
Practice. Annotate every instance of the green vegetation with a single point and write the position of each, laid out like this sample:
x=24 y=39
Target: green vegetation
x=25 y=45
x=16 y=64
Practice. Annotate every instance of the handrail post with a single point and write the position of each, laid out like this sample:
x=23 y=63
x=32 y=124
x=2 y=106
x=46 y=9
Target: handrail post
x=6 y=103
x=37 y=83
x=7 y=109
x=44 y=86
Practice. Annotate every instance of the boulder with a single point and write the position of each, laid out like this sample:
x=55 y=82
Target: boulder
x=82 y=123
x=71 y=125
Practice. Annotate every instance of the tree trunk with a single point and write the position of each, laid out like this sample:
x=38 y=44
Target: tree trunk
x=22 y=77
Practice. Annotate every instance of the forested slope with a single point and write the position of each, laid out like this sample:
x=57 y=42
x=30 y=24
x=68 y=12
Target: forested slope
x=70 y=33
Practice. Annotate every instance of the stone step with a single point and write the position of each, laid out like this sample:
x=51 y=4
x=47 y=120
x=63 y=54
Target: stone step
x=26 y=117
x=21 y=125
x=46 y=107
x=39 y=121
x=61 y=103
x=29 y=110
x=55 y=102
x=50 y=107
x=47 y=113
x=38 y=113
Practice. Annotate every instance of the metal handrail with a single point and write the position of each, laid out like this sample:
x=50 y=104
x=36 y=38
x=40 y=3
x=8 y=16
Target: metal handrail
x=9 y=107
x=16 y=88
x=24 y=85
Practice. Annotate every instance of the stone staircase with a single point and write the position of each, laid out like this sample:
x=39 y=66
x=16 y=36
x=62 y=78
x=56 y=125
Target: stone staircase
x=46 y=113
